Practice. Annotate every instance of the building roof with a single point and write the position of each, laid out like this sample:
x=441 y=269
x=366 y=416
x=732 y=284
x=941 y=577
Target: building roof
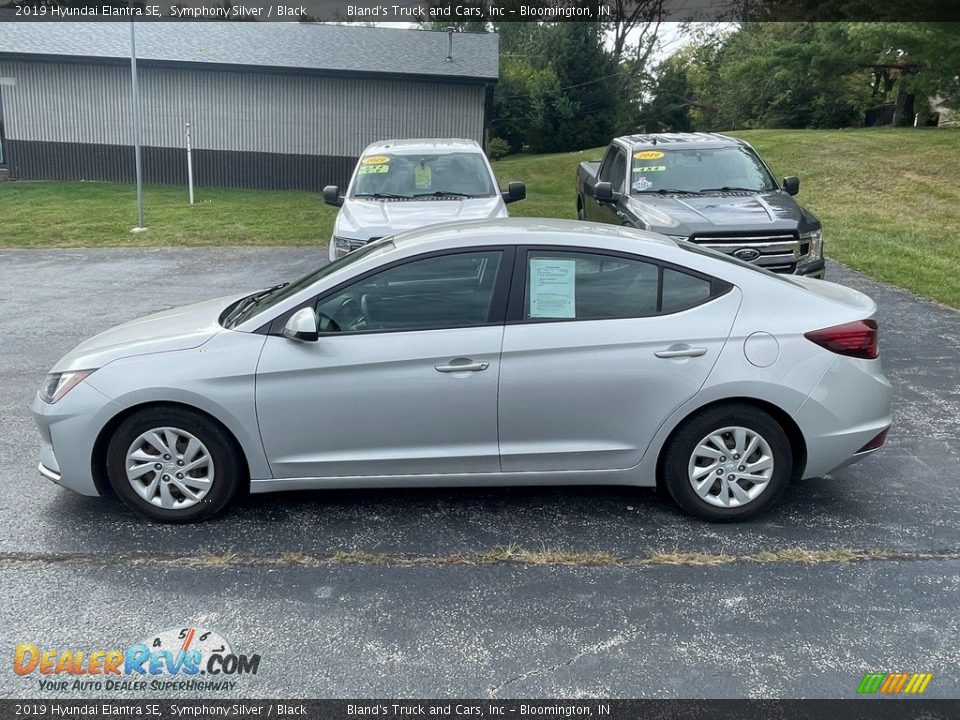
x=302 y=47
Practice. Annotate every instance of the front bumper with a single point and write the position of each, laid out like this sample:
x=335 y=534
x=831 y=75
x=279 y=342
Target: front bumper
x=49 y=473
x=68 y=433
x=815 y=268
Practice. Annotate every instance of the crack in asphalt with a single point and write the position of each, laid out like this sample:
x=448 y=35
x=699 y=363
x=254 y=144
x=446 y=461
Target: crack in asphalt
x=510 y=555
x=595 y=649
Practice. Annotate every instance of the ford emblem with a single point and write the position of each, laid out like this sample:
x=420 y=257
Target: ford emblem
x=746 y=254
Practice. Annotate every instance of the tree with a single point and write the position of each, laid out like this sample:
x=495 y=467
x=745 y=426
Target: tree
x=927 y=55
x=789 y=75
x=588 y=80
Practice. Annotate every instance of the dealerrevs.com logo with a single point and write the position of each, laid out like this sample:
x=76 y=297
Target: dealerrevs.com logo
x=180 y=659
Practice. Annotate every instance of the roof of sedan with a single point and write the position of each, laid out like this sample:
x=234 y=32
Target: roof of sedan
x=537 y=231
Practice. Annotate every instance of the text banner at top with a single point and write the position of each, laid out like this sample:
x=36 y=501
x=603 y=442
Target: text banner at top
x=458 y=12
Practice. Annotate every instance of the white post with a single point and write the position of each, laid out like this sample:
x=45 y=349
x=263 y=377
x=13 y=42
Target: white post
x=189 y=164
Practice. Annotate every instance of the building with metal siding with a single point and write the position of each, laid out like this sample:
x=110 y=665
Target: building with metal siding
x=300 y=122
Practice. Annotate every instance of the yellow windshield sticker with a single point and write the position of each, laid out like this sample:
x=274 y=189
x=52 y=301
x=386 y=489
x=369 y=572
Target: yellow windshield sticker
x=375 y=160
x=650 y=168
x=373 y=169
x=648 y=155
x=422 y=177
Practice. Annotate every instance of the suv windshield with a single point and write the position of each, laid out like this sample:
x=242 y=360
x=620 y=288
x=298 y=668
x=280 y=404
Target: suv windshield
x=253 y=305
x=698 y=170
x=406 y=176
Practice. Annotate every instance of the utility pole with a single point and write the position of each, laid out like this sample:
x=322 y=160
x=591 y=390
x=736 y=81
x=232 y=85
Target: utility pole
x=136 y=122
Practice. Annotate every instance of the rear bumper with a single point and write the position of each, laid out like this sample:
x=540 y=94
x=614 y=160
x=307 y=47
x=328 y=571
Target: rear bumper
x=848 y=408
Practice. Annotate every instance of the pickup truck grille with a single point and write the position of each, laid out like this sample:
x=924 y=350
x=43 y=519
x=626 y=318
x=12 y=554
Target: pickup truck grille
x=778 y=252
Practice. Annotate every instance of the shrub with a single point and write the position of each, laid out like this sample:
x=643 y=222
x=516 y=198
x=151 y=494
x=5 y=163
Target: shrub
x=498 y=148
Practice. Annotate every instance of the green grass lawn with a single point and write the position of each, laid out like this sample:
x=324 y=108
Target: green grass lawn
x=889 y=201
x=96 y=214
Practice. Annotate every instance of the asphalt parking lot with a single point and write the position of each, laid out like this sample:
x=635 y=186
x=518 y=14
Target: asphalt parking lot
x=409 y=616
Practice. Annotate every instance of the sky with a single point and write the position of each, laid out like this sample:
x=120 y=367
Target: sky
x=669 y=37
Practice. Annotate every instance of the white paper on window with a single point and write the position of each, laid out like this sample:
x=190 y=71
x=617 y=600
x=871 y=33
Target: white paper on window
x=553 y=288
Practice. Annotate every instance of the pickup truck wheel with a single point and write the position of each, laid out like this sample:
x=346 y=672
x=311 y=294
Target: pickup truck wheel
x=580 y=213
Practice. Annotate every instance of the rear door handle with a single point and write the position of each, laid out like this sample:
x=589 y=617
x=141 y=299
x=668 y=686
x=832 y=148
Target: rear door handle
x=675 y=351
x=462 y=365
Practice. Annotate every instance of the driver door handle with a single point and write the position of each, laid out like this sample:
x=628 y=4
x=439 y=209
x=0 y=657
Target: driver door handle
x=465 y=365
x=675 y=351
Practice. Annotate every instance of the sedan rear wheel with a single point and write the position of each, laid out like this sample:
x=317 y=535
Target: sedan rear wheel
x=729 y=463
x=173 y=465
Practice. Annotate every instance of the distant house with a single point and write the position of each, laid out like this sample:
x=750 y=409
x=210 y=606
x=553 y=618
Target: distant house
x=271 y=105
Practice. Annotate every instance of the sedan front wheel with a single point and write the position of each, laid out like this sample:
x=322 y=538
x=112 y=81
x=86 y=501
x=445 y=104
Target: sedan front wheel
x=728 y=463
x=173 y=465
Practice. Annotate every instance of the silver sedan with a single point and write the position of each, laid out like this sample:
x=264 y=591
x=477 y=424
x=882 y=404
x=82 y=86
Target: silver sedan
x=503 y=352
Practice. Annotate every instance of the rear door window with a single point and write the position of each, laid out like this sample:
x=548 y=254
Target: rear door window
x=572 y=285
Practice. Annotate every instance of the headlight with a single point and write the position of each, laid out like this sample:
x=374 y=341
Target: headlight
x=342 y=245
x=815 y=239
x=59 y=384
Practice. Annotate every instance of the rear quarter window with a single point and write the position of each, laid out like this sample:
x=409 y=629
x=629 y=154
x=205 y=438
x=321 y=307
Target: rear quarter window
x=682 y=291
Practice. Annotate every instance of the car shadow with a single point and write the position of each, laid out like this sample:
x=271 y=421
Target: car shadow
x=624 y=521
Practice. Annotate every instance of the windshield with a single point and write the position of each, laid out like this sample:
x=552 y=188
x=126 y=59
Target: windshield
x=282 y=292
x=699 y=170
x=406 y=176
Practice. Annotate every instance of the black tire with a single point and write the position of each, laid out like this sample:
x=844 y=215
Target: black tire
x=581 y=215
x=228 y=475
x=675 y=472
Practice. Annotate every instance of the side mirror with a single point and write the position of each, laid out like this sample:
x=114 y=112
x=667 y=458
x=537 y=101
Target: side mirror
x=791 y=185
x=331 y=196
x=515 y=191
x=603 y=192
x=302 y=325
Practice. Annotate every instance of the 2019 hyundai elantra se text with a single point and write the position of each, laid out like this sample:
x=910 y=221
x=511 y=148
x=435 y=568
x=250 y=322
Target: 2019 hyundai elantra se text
x=515 y=351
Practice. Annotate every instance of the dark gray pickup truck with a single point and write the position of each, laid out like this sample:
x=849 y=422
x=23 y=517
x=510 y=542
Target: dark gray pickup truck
x=710 y=189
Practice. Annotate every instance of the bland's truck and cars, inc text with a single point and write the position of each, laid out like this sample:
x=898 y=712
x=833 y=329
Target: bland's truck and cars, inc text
x=710 y=189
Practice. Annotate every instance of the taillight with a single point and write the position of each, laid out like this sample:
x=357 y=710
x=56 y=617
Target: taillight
x=855 y=339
